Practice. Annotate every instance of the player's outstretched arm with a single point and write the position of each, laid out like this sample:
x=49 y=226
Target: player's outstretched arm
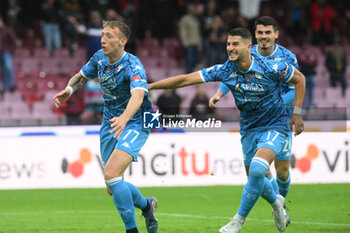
x=119 y=123
x=177 y=81
x=299 y=80
x=74 y=84
x=214 y=99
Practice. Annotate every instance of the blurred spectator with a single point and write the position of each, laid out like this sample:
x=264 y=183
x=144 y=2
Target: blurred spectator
x=50 y=17
x=307 y=60
x=322 y=15
x=206 y=25
x=199 y=108
x=94 y=102
x=190 y=35
x=336 y=64
x=169 y=102
x=111 y=14
x=233 y=19
x=7 y=46
x=250 y=10
x=92 y=31
x=74 y=108
x=217 y=37
x=297 y=19
x=71 y=8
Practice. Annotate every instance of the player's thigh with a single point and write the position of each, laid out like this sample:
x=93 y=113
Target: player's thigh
x=117 y=163
x=132 y=139
x=249 y=147
x=271 y=140
x=286 y=150
x=107 y=142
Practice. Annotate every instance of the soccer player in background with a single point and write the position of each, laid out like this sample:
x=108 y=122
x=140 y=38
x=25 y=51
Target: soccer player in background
x=266 y=32
x=124 y=86
x=254 y=83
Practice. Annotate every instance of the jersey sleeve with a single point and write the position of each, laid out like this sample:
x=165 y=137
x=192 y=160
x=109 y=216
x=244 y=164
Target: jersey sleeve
x=223 y=88
x=282 y=71
x=137 y=77
x=215 y=73
x=89 y=70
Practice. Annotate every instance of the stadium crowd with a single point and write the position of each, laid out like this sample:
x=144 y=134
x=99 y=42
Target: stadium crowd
x=43 y=42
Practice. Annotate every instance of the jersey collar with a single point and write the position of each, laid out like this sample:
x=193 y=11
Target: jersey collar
x=257 y=50
x=250 y=67
x=117 y=61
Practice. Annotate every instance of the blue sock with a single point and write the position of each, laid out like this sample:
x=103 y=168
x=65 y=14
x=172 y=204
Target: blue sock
x=268 y=192
x=139 y=200
x=122 y=199
x=255 y=185
x=283 y=186
x=274 y=184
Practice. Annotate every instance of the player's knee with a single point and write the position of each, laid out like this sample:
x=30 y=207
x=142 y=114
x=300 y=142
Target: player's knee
x=256 y=171
x=282 y=172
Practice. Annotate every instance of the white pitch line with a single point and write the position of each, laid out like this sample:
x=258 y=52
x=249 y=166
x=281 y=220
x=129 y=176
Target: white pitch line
x=64 y=212
x=255 y=219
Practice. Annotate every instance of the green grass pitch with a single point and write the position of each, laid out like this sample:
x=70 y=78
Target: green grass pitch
x=317 y=208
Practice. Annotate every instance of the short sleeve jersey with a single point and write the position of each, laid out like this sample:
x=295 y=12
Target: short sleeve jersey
x=256 y=91
x=117 y=81
x=280 y=54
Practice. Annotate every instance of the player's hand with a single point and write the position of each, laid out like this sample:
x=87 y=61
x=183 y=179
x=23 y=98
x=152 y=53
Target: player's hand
x=61 y=97
x=213 y=100
x=297 y=122
x=118 y=125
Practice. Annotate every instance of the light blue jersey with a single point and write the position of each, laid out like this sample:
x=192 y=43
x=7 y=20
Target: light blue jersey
x=117 y=81
x=256 y=91
x=281 y=54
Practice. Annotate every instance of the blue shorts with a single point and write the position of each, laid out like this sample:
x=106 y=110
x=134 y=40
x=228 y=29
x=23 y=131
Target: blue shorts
x=279 y=142
x=132 y=139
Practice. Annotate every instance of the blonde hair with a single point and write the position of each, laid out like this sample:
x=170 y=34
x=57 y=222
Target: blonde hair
x=123 y=28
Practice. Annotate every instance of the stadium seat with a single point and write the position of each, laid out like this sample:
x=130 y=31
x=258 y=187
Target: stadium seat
x=41 y=53
x=21 y=52
x=155 y=74
x=44 y=113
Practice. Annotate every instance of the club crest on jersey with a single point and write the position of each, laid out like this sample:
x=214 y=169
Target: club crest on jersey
x=247 y=77
x=258 y=75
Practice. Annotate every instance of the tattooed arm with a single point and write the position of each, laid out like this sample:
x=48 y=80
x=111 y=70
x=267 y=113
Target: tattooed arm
x=74 y=84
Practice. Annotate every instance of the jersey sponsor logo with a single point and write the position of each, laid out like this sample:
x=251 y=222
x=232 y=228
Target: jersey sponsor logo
x=125 y=144
x=136 y=78
x=118 y=68
x=284 y=72
x=234 y=75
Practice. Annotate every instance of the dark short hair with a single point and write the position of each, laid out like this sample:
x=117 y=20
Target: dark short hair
x=267 y=21
x=123 y=28
x=242 y=32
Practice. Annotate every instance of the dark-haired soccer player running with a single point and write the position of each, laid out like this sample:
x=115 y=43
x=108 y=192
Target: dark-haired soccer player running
x=254 y=83
x=266 y=32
